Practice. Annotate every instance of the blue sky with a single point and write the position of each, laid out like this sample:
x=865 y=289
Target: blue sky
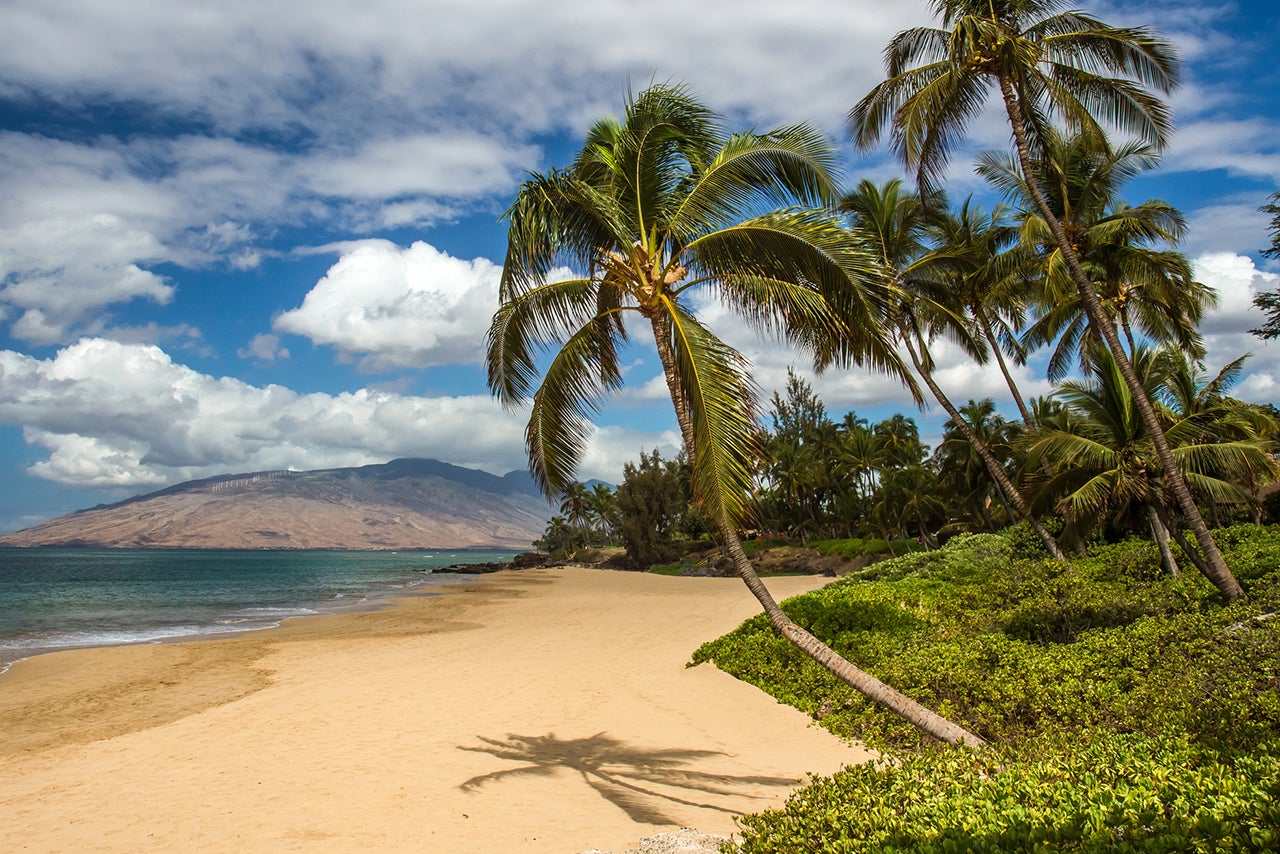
x=239 y=236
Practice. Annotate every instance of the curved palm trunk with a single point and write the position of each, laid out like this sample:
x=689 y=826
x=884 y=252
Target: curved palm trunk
x=1217 y=571
x=994 y=468
x=864 y=683
x=1128 y=331
x=987 y=332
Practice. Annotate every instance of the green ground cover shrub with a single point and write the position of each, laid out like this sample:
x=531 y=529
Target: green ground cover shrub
x=856 y=547
x=1101 y=793
x=1049 y=662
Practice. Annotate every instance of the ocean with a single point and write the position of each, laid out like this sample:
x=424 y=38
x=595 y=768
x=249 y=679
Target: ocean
x=53 y=599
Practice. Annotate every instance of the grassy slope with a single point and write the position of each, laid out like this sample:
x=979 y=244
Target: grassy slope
x=1131 y=711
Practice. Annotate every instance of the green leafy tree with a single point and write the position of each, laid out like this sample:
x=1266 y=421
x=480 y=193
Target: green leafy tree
x=654 y=511
x=1104 y=461
x=560 y=538
x=798 y=478
x=654 y=207
x=574 y=502
x=974 y=500
x=1045 y=63
x=1269 y=301
x=602 y=508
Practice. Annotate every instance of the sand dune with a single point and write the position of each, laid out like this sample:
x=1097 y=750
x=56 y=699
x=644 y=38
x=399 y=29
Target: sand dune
x=539 y=711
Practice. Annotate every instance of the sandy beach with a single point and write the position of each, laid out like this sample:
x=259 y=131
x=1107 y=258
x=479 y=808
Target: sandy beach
x=539 y=711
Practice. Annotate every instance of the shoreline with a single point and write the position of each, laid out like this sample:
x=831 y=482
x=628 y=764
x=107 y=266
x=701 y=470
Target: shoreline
x=193 y=619
x=535 y=710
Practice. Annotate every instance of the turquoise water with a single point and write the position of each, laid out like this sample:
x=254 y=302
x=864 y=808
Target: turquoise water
x=53 y=599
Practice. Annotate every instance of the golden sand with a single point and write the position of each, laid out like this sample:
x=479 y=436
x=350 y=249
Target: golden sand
x=539 y=711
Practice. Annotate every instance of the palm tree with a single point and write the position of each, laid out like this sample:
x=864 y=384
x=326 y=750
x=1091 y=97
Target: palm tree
x=912 y=493
x=653 y=207
x=1269 y=301
x=575 y=499
x=1043 y=61
x=987 y=269
x=1106 y=468
x=1139 y=283
x=602 y=508
x=962 y=472
x=893 y=222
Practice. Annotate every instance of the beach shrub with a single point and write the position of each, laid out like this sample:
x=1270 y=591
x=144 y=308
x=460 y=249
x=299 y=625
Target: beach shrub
x=1015 y=649
x=1130 y=710
x=1100 y=792
x=853 y=548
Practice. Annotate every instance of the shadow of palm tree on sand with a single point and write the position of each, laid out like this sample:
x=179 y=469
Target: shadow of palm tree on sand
x=623 y=775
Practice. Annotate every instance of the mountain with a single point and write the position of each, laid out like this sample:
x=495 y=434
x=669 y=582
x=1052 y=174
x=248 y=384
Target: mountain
x=403 y=504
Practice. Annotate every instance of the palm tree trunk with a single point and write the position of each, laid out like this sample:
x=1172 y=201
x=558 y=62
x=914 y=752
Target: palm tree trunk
x=981 y=317
x=1128 y=332
x=864 y=683
x=1187 y=549
x=994 y=468
x=1218 y=572
x=1161 y=535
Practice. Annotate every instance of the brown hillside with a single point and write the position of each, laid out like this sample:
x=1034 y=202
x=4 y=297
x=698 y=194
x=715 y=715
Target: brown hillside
x=397 y=506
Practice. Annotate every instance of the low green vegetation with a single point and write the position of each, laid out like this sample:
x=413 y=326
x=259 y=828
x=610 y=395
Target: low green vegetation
x=1128 y=710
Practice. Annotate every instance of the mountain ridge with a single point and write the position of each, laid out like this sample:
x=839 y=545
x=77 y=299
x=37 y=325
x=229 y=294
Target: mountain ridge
x=402 y=504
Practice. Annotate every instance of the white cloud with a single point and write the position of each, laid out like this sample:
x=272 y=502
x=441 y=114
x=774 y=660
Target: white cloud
x=1225 y=328
x=445 y=164
x=399 y=308
x=263 y=348
x=83 y=225
x=1240 y=146
x=127 y=416
x=333 y=67
x=1232 y=225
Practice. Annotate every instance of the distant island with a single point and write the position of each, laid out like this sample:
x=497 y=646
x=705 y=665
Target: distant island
x=403 y=504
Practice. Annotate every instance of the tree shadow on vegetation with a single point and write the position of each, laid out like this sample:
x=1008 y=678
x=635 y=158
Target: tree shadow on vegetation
x=623 y=775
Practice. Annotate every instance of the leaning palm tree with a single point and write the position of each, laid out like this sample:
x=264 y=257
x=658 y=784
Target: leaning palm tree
x=893 y=222
x=1105 y=467
x=1129 y=252
x=654 y=208
x=988 y=270
x=1043 y=62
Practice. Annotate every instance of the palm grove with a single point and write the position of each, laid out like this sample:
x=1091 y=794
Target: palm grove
x=665 y=204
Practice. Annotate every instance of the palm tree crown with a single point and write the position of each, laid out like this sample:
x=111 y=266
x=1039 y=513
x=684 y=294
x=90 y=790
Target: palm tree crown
x=1045 y=61
x=653 y=207
x=1046 y=64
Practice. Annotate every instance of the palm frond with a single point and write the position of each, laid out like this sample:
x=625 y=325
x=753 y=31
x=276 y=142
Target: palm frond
x=720 y=397
x=527 y=324
x=583 y=370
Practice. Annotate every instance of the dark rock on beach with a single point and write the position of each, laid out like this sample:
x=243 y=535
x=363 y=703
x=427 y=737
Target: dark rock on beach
x=524 y=560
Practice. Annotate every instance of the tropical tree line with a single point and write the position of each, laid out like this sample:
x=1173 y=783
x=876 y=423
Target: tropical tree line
x=666 y=203
x=827 y=479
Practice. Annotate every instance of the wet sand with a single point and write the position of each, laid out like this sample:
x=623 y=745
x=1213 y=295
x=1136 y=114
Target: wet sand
x=539 y=711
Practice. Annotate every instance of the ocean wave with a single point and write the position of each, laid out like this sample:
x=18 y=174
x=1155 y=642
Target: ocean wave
x=104 y=637
x=259 y=613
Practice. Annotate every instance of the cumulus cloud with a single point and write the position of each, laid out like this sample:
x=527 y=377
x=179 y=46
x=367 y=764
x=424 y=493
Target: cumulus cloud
x=1237 y=281
x=126 y=415
x=394 y=307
